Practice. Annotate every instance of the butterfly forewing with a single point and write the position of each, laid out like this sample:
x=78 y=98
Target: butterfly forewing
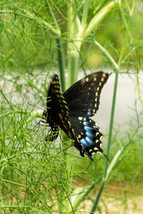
x=83 y=97
x=56 y=103
x=58 y=111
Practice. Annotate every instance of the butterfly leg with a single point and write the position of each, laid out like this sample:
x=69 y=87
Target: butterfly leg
x=42 y=123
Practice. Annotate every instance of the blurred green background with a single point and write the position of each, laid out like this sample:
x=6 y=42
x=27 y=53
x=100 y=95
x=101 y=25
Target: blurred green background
x=28 y=45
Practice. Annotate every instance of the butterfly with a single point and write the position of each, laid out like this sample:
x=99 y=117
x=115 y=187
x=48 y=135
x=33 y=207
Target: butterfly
x=71 y=111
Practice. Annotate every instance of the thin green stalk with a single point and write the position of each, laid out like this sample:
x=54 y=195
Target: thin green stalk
x=13 y=112
x=54 y=21
x=71 y=19
x=60 y=56
x=97 y=19
x=33 y=192
x=77 y=36
x=97 y=198
x=80 y=195
x=72 y=48
x=59 y=50
x=111 y=126
x=106 y=53
x=133 y=8
x=112 y=115
x=105 y=177
x=11 y=106
x=61 y=65
x=39 y=20
x=72 y=69
x=109 y=144
x=85 y=13
x=131 y=11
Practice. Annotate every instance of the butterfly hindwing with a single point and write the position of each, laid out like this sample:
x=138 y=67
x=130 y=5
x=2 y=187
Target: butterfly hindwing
x=88 y=134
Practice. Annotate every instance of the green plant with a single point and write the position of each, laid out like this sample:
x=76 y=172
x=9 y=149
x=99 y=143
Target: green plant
x=36 y=178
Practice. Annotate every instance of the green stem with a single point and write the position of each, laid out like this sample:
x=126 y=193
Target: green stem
x=125 y=22
x=109 y=144
x=71 y=19
x=54 y=21
x=13 y=112
x=73 y=23
x=79 y=196
x=41 y=21
x=85 y=13
x=72 y=69
x=131 y=11
x=97 y=198
x=11 y=106
x=133 y=8
x=105 y=177
x=106 y=53
x=97 y=19
x=61 y=65
x=112 y=115
x=111 y=121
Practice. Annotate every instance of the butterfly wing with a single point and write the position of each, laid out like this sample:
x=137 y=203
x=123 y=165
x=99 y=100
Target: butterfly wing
x=88 y=134
x=83 y=101
x=57 y=111
x=83 y=97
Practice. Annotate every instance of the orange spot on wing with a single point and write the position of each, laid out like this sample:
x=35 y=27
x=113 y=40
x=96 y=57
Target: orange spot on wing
x=61 y=117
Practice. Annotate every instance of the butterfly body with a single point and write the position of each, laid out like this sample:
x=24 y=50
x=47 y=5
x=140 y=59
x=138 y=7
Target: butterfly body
x=71 y=111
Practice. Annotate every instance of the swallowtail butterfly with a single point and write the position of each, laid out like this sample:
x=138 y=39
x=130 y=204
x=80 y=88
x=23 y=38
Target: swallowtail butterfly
x=71 y=111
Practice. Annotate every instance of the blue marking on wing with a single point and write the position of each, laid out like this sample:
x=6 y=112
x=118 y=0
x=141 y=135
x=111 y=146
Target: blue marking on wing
x=86 y=123
x=89 y=112
x=89 y=134
x=88 y=128
x=89 y=141
x=84 y=143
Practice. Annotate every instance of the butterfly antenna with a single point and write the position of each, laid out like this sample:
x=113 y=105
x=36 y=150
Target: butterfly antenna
x=34 y=105
x=43 y=100
x=31 y=104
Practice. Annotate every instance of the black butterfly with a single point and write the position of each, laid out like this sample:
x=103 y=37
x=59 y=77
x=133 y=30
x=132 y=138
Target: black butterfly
x=71 y=111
